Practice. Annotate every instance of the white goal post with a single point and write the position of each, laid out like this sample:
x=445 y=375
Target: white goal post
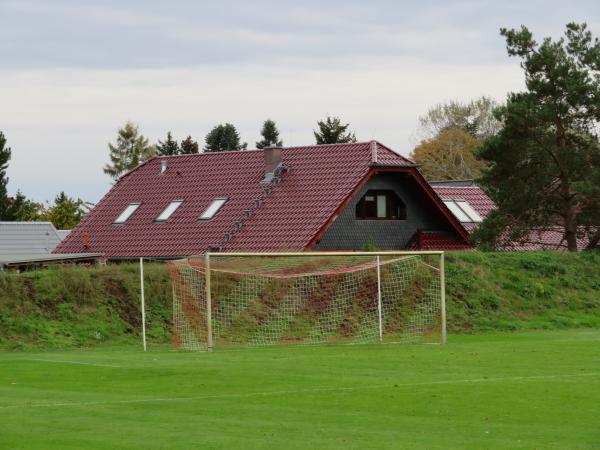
x=254 y=299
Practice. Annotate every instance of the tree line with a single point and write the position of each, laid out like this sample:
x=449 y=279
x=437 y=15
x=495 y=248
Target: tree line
x=132 y=148
x=537 y=155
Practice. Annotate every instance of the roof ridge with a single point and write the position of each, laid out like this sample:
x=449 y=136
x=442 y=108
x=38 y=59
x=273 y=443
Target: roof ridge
x=252 y=151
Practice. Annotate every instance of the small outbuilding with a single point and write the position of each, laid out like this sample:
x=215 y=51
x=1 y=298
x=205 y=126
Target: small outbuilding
x=26 y=244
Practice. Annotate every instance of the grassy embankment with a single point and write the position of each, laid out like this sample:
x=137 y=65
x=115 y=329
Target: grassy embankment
x=79 y=306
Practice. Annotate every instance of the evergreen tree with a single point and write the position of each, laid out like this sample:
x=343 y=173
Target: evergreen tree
x=188 y=146
x=331 y=131
x=130 y=150
x=169 y=147
x=270 y=135
x=222 y=138
x=5 y=154
x=66 y=212
x=545 y=161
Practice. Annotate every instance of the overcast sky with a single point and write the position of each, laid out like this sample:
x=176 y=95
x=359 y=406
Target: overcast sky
x=73 y=72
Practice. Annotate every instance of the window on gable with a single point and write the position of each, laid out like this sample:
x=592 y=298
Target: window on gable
x=127 y=212
x=380 y=204
x=213 y=208
x=463 y=211
x=169 y=210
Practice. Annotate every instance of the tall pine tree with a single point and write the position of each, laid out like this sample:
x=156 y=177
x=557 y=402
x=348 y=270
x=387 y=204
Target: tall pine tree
x=270 y=135
x=130 y=150
x=169 y=147
x=331 y=131
x=188 y=146
x=5 y=154
x=545 y=161
x=222 y=138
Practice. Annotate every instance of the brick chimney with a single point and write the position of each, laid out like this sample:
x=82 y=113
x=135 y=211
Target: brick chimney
x=272 y=158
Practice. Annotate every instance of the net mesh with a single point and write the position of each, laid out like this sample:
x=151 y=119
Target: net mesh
x=277 y=299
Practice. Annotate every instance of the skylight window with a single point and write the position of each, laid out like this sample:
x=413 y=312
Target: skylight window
x=126 y=214
x=169 y=210
x=468 y=209
x=459 y=213
x=463 y=211
x=213 y=208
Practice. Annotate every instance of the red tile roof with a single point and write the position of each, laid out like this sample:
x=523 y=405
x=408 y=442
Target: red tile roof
x=318 y=181
x=541 y=239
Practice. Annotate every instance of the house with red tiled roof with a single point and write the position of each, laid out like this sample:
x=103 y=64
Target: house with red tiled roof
x=322 y=197
x=470 y=204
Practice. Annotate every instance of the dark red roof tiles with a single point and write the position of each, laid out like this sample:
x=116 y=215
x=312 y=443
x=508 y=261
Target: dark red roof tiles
x=318 y=180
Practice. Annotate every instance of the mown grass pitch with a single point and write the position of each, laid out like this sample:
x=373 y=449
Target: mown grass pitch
x=528 y=390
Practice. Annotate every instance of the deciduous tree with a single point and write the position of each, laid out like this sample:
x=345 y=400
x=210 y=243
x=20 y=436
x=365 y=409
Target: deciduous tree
x=66 y=212
x=449 y=156
x=476 y=118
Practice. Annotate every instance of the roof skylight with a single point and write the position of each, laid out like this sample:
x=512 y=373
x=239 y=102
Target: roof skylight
x=463 y=211
x=127 y=212
x=169 y=210
x=213 y=208
x=468 y=209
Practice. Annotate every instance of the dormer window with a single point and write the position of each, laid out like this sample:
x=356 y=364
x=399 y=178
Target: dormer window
x=213 y=208
x=380 y=204
x=169 y=210
x=127 y=213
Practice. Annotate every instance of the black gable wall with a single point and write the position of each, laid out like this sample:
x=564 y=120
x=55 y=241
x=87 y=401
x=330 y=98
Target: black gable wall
x=349 y=233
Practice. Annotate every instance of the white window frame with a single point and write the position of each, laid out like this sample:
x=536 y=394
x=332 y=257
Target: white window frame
x=127 y=213
x=169 y=211
x=214 y=207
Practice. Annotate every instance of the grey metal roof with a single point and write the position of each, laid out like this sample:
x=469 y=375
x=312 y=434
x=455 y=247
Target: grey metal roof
x=27 y=238
x=38 y=259
x=62 y=233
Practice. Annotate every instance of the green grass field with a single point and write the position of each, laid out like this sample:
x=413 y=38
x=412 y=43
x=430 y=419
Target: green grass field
x=533 y=390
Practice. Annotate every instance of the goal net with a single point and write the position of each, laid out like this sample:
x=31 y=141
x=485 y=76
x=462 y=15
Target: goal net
x=243 y=299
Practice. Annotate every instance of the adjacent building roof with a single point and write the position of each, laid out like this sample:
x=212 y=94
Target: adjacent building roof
x=31 y=242
x=468 y=191
x=27 y=238
x=287 y=212
x=471 y=192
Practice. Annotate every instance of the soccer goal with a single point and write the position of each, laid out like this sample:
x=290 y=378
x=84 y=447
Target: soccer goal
x=257 y=299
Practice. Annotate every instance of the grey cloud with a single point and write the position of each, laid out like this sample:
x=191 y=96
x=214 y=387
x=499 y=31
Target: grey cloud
x=158 y=34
